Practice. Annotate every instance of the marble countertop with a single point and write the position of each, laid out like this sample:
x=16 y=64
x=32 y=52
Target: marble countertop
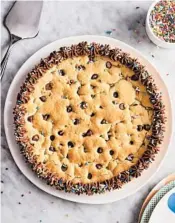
x=22 y=202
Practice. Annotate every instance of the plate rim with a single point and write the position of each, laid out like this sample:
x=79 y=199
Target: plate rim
x=167 y=188
x=161 y=200
x=71 y=40
x=165 y=181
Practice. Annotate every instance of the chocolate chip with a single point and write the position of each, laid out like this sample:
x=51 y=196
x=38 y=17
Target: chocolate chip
x=98 y=166
x=111 y=152
x=62 y=72
x=114 y=102
x=46 y=117
x=104 y=121
x=108 y=64
x=78 y=90
x=64 y=167
x=93 y=114
x=71 y=82
x=35 y=138
x=92 y=95
x=70 y=144
x=76 y=121
x=43 y=98
x=83 y=105
x=122 y=106
x=92 y=86
x=130 y=157
x=115 y=94
x=147 y=127
x=89 y=133
x=61 y=133
x=109 y=134
x=89 y=176
x=80 y=67
x=51 y=148
x=85 y=150
x=30 y=118
x=69 y=108
x=49 y=86
x=134 y=77
x=84 y=134
x=100 y=150
x=94 y=76
x=100 y=107
x=52 y=137
x=131 y=142
x=139 y=128
x=91 y=59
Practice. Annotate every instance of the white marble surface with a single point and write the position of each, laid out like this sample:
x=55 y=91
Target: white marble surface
x=61 y=19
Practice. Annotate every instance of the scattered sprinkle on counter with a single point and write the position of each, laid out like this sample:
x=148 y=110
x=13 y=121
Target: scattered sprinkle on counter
x=108 y=32
x=162 y=20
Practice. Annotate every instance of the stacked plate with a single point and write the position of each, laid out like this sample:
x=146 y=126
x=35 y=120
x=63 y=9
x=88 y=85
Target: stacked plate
x=159 y=206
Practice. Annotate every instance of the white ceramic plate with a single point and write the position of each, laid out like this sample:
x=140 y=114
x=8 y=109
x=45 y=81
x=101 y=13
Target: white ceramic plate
x=162 y=213
x=108 y=197
x=152 y=204
x=155 y=190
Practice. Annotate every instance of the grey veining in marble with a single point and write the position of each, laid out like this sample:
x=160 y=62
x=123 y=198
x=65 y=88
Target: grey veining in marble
x=61 y=19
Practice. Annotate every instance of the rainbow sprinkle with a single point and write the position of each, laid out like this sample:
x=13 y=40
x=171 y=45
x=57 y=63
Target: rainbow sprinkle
x=108 y=32
x=162 y=20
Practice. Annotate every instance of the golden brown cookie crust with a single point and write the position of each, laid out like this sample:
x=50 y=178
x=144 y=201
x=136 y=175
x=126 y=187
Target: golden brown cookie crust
x=88 y=118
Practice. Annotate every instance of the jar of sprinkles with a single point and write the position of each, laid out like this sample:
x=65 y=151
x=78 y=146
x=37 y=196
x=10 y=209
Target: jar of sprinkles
x=160 y=23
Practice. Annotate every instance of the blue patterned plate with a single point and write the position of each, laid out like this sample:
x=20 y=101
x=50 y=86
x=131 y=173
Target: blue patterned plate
x=146 y=217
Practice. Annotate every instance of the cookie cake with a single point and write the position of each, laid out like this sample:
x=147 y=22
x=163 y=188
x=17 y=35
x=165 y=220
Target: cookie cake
x=89 y=118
